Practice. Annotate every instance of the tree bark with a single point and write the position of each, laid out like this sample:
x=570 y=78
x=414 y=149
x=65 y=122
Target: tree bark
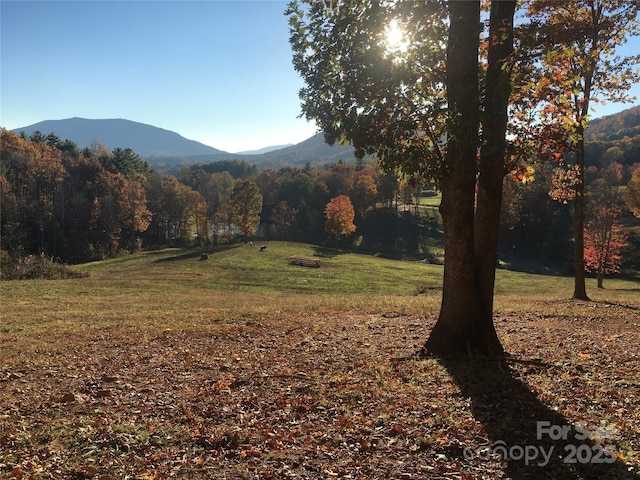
x=465 y=324
x=458 y=329
x=492 y=170
x=580 y=289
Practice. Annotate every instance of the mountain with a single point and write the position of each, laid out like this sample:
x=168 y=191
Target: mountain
x=317 y=153
x=613 y=138
x=167 y=149
x=145 y=140
x=615 y=127
x=264 y=150
x=314 y=151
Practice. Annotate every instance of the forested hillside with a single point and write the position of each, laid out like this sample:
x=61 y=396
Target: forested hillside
x=314 y=151
x=614 y=139
x=536 y=226
x=615 y=127
x=79 y=205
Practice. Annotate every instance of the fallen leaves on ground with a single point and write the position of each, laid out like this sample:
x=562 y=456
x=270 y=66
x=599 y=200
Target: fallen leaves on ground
x=333 y=397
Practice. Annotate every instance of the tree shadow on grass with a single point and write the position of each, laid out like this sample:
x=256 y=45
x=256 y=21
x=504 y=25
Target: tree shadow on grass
x=195 y=254
x=328 y=252
x=521 y=425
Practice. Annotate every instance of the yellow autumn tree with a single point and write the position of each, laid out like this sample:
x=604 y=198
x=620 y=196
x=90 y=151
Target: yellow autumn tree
x=339 y=216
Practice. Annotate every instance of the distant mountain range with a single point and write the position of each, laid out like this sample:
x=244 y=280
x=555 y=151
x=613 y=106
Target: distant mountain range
x=165 y=148
x=145 y=140
x=264 y=150
x=313 y=150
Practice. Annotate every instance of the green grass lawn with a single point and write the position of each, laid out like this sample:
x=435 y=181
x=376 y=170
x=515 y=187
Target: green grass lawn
x=173 y=286
x=171 y=273
x=244 y=268
x=247 y=269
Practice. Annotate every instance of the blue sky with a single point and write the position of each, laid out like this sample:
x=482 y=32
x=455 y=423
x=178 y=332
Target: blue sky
x=218 y=72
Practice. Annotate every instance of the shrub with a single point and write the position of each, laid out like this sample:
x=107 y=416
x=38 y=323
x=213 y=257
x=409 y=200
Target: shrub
x=34 y=267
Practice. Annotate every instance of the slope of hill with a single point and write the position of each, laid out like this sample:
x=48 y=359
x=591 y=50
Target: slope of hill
x=244 y=363
x=145 y=140
x=614 y=138
x=615 y=127
x=314 y=151
x=265 y=150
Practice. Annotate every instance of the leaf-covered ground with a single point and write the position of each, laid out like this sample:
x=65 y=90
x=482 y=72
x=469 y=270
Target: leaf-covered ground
x=325 y=397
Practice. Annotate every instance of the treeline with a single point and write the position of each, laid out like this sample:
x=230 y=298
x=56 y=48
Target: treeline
x=536 y=226
x=537 y=223
x=70 y=204
x=79 y=205
x=615 y=127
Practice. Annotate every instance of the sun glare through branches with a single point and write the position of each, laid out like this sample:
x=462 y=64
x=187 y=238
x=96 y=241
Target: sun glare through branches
x=395 y=38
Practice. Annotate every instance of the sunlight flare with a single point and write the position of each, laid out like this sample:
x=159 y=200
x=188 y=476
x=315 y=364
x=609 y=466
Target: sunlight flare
x=395 y=37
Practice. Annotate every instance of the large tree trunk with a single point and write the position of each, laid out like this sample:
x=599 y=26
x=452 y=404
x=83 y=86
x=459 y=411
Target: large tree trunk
x=459 y=329
x=492 y=170
x=465 y=324
x=580 y=289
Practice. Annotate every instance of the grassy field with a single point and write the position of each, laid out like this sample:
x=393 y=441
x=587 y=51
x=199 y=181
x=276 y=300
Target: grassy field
x=173 y=287
x=159 y=365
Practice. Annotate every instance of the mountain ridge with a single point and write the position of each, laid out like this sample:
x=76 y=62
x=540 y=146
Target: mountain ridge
x=168 y=149
x=161 y=147
x=146 y=140
x=264 y=150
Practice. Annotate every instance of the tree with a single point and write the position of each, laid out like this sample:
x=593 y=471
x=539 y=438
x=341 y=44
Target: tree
x=38 y=137
x=175 y=208
x=216 y=189
x=388 y=188
x=135 y=216
x=80 y=187
x=604 y=236
x=35 y=171
x=238 y=169
x=53 y=140
x=533 y=224
x=364 y=192
x=246 y=205
x=304 y=190
x=69 y=149
x=340 y=178
x=97 y=152
x=417 y=109
x=127 y=162
x=339 y=216
x=633 y=192
x=118 y=213
x=283 y=218
x=572 y=45
x=217 y=192
x=9 y=225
